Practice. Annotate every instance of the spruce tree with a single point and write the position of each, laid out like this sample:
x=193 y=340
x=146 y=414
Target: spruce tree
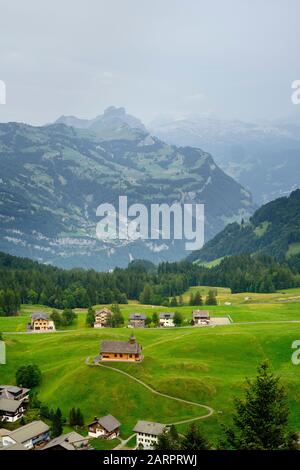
x=194 y=440
x=169 y=440
x=79 y=418
x=198 y=299
x=57 y=427
x=72 y=417
x=90 y=317
x=260 y=421
x=211 y=298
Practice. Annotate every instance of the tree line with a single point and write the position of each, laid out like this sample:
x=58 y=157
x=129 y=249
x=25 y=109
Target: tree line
x=23 y=281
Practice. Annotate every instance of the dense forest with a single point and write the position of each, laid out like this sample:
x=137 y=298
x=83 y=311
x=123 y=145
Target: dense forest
x=23 y=281
x=273 y=229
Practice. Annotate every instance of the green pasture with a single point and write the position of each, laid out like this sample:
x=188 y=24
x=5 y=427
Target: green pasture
x=204 y=365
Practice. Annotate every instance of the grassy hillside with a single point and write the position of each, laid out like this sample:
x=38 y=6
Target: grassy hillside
x=206 y=365
x=273 y=229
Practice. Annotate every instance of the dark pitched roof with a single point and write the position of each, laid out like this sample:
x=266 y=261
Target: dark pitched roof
x=103 y=310
x=8 y=405
x=11 y=391
x=109 y=423
x=148 y=427
x=40 y=315
x=200 y=314
x=29 y=431
x=130 y=347
x=165 y=315
x=67 y=441
x=137 y=316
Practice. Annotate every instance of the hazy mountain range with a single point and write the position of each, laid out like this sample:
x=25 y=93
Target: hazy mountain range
x=54 y=177
x=264 y=157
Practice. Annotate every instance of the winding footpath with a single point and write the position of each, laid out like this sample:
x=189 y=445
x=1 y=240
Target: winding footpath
x=123 y=443
x=209 y=410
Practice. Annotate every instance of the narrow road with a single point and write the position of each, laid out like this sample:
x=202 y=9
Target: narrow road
x=234 y=323
x=210 y=410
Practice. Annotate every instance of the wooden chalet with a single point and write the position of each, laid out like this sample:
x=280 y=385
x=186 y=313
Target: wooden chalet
x=106 y=427
x=201 y=317
x=12 y=392
x=11 y=410
x=166 y=319
x=137 y=320
x=41 y=322
x=102 y=318
x=129 y=351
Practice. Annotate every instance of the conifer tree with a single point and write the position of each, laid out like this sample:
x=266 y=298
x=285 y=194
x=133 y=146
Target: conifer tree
x=260 y=421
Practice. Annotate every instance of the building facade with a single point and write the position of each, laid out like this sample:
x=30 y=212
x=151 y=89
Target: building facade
x=41 y=322
x=12 y=392
x=32 y=435
x=11 y=410
x=166 y=319
x=137 y=320
x=201 y=317
x=107 y=427
x=102 y=318
x=124 y=351
x=147 y=434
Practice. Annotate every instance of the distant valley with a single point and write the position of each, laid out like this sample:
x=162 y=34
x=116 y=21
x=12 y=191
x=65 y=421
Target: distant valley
x=264 y=157
x=53 y=178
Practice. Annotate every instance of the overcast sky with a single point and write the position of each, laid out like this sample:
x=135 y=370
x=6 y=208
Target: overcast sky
x=234 y=58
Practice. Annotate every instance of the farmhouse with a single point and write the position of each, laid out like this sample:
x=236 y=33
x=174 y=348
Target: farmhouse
x=129 y=351
x=147 y=433
x=101 y=318
x=12 y=392
x=70 y=441
x=137 y=320
x=40 y=322
x=11 y=410
x=166 y=319
x=201 y=317
x=107 y=427
x=31 y=435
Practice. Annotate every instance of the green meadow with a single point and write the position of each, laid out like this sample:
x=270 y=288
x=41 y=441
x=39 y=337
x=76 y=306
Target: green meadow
x=244 y=307
x=203 y=365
